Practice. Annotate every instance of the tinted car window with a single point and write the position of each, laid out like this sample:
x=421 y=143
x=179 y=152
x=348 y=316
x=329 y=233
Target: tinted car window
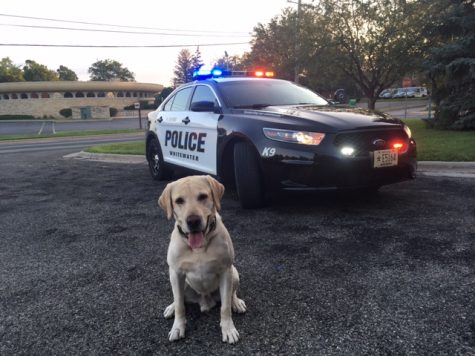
x=168 y=104
x=180 y=102
x=247 y=93
x=203 y=93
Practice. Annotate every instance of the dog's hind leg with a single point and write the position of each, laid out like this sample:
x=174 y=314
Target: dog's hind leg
x=169 y=311
x=237 y=305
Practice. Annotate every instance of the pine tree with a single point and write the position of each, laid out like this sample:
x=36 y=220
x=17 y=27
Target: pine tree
x=183 y=68
x=196 y=59
x=452 y=66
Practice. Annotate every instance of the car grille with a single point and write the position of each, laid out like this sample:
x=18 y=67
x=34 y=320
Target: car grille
x=363 y=142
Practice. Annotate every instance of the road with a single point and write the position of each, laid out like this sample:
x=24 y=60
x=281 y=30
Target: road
x=83 y=267
x=415 y=109
x=49 y=127
x=74 y=143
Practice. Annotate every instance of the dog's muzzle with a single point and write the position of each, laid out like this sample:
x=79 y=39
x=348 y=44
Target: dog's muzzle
x=196 y=237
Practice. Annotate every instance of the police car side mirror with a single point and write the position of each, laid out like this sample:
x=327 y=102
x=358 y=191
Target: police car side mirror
x=203 y=106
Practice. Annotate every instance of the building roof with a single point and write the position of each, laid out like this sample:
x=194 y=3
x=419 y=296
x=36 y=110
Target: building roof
x=62 y=86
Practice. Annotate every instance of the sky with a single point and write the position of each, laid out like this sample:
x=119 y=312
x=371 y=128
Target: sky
x=186 y=23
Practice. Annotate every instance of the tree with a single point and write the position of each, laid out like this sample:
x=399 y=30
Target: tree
x=233 y=62
x=65 y=73
x=183 y=68
x=374 y=42
x=163 y=95
x=35 y=72
x=274 y=47
x=365 y=45
x=108 y=69
x=10 y=72
x=451 y=66
x=196 y=60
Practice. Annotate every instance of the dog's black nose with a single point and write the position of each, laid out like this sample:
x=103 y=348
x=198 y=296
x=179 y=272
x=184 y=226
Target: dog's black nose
x=194 y=222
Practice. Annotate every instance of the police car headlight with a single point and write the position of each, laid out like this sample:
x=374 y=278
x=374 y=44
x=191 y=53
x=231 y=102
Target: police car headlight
x=290 y=136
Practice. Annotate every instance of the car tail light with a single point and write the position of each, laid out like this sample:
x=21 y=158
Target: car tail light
x=400 y=146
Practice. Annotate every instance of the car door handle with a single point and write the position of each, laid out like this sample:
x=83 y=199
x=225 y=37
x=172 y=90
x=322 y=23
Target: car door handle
x=186 y=120
x=160 y=119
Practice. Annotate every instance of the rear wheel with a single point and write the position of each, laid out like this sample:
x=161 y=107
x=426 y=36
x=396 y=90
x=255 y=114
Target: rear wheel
x=248 y=176
x=156 y=165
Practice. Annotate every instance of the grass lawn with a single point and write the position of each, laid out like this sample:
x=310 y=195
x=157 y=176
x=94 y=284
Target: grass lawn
x=130 y=148
x=68 y=134
x=432 y=145
x=442 y=145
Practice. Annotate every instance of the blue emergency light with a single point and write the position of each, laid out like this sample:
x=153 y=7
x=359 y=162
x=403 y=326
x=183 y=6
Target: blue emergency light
x=206 y=73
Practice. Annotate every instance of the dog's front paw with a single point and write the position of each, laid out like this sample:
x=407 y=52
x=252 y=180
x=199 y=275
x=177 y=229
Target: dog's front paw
x=230 y=334
x=178 y=330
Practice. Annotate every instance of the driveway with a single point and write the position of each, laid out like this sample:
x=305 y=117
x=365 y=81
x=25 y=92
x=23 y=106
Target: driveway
x=83 y=267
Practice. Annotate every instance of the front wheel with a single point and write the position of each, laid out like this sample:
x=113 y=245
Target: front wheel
x=156 y=165
x=248 y=176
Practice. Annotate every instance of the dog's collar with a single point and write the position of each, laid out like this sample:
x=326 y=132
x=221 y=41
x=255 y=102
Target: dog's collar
x=180 y=230
x=212 y=224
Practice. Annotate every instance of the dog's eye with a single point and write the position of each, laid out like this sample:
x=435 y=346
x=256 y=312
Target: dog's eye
x=179 y=201
x=202 y=197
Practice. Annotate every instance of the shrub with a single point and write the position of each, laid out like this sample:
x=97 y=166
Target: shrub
x=113 y=112
x=66 y=112
x=17 y=117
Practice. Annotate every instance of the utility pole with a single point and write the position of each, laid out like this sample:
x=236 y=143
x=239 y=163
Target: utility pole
x=297 y=41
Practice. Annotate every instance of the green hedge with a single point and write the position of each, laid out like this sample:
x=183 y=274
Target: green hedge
x=17 y=117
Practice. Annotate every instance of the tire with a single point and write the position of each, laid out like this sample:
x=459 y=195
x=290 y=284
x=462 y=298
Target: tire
x=248 y=176
x=156 y=165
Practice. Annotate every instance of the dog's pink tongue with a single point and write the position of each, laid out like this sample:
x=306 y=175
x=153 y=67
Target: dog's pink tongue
x=195 y=239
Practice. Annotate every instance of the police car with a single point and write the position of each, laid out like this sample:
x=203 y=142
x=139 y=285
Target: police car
x=258 y=134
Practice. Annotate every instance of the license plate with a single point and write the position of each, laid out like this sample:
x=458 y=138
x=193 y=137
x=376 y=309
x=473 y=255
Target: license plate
x=385 y=158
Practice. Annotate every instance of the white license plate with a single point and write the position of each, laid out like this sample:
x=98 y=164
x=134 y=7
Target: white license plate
x=385 y=158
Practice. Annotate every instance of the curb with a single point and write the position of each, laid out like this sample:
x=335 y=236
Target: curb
x=107 y=157
x=446 y=169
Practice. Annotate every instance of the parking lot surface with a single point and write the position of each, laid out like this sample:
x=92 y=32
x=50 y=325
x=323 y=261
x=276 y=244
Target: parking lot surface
x=83 y=267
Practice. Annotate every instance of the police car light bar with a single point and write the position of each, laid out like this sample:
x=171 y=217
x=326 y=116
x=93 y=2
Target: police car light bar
x=204 y=73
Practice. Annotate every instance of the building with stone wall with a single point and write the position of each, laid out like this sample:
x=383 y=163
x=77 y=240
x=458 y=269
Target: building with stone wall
x=87 y=100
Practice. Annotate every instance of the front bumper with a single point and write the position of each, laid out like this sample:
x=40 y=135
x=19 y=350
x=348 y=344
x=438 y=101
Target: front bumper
x=294 y=170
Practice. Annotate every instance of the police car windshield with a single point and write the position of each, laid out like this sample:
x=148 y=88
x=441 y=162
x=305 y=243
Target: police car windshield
x=258 y=94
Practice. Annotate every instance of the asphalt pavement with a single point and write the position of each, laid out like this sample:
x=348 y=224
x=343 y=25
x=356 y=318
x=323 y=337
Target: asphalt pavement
x=83 y=267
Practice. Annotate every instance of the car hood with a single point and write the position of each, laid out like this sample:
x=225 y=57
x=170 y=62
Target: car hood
x=337 y=118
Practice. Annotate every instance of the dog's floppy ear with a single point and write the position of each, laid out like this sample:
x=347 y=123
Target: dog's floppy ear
x=165 y=201
x=217 y=190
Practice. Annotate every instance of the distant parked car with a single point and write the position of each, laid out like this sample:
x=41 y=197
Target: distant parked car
x=411 y=92
x=419 y=92
x=387 y=93
x=401 y=93
x=340 y=96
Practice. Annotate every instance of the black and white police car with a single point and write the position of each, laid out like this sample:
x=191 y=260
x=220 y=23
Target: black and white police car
x=260 y=134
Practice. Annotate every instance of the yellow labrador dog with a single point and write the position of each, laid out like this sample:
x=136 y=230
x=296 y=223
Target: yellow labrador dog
x=200 y=254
